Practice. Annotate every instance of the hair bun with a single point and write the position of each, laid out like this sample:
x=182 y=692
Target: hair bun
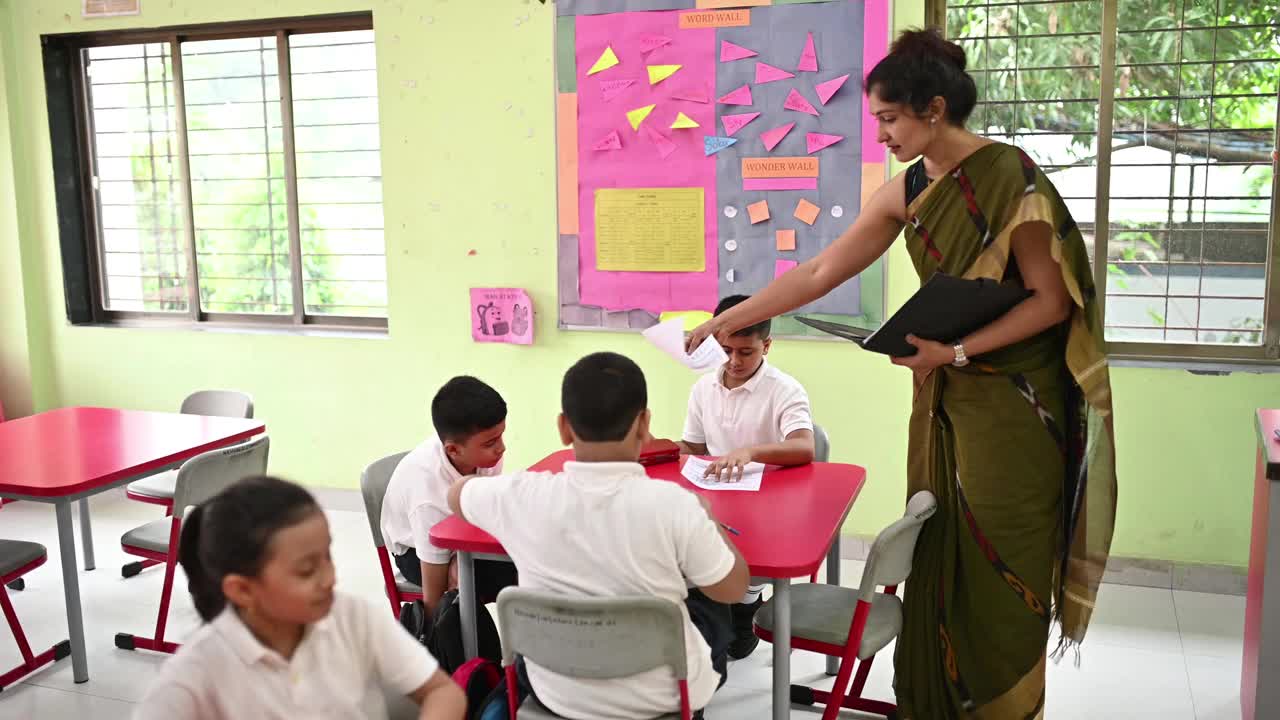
x=928 y=44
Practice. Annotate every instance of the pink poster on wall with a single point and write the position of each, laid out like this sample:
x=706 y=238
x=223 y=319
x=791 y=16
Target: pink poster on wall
x=659 y=148
x=501 y=315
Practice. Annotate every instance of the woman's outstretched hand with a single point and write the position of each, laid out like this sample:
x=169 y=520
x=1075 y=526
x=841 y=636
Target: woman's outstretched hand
x=702 y=332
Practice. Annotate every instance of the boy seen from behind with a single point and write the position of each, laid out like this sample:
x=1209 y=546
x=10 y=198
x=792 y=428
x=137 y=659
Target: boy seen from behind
x=603 y=528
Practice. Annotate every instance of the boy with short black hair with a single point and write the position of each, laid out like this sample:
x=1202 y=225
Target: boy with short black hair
x=747 y=411
x=469 y=418
x=603 y=528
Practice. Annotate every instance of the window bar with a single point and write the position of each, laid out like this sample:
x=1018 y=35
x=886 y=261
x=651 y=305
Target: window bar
x=1106 y=119
x=184 y=167
x=93 y=205
x=283 y=71
x=168 y=152
x=1208 y=152
x=266 y=145
x=1171 y=206
x=1271 y=310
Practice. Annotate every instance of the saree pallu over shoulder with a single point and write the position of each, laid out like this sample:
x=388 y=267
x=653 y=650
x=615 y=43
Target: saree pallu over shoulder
x=1019 y=449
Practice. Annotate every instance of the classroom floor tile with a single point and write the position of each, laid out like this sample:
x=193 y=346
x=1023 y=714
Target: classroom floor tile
x=1151 y=653
x=1139 y=618
x=1215 y=687
x=1210 y=625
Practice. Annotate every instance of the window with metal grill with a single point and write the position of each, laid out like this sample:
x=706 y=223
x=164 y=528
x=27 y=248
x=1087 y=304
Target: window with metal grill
x=234 y=173
x=1156 y=120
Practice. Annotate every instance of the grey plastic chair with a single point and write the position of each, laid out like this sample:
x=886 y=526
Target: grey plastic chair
x=821 y=444
x=373 y=488
x=854 y=625
x=17 y=558
x=821 y=453
x=158 y=489
x=199 y=479
x=591 y=638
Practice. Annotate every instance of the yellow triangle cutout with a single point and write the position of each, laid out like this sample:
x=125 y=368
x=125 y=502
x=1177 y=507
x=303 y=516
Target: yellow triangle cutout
x=606 y=61
x=683 y=121
x=658 y=73
x=637 y=116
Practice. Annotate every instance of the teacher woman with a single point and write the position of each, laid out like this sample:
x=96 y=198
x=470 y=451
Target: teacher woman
x=1010 y=426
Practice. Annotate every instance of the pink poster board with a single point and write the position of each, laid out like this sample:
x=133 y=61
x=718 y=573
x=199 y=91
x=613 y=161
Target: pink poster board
x=602 y=109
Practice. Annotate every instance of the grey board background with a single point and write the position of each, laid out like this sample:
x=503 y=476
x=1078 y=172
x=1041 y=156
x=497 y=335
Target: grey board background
x=602 y=7
x=778 y=34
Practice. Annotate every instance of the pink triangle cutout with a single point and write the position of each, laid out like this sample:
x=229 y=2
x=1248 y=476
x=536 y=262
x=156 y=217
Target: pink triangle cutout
x=766 y=73
x=771 y=138
x=610 y=89
x=818 y=141
x=730 y=52
x=660 y=141
x=693 y=94
x=827 y=89
x=808 y=57
x=795 y=101
x=612 y=141
x=741 y=96
x=651 y=42
x=734 y=123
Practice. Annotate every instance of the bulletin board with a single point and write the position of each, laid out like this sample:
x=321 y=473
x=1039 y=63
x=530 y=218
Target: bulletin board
x=705 y=146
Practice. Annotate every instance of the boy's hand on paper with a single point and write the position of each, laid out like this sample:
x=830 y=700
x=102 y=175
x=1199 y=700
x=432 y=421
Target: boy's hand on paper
x=730 y=467
x=929 y=355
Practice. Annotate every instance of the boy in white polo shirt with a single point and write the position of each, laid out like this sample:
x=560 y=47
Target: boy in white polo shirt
x=603 y=528
x=469 y=418
x=747 y=411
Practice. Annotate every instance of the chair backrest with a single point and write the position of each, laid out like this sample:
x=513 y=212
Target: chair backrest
x=218 y=403
x=821 y=444
x=889 y=561
x=592 y=638
x=373 y=486
x=207 y=474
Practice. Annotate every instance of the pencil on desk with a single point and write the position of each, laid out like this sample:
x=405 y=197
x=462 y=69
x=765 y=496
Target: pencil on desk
x=734 y=531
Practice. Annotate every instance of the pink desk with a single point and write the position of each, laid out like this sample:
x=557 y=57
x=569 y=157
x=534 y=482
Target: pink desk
x=1262 y=605
x=788 y=529
x=61 y=456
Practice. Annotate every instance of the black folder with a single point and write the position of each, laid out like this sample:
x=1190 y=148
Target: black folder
x=944 y=309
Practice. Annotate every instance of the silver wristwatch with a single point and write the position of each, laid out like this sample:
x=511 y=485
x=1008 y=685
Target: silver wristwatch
x=961 y=359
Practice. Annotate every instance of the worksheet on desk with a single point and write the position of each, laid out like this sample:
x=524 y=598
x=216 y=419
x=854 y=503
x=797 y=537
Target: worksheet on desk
x=695 y=470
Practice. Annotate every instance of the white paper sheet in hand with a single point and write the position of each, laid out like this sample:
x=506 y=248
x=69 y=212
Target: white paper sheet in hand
x=695 y=470
x=669 y=338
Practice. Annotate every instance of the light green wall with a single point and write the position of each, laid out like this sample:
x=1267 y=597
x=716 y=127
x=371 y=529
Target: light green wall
x=468 y=163
x=15 y=365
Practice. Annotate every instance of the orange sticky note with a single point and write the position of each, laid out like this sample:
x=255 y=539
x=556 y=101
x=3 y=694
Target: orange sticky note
x=806 y=212
x=780 y=167
x=786 y=239
x=700 y=20
x=567 y=133
x=758 y=212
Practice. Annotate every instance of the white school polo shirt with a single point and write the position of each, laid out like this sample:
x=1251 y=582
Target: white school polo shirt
x=602 y=530
x=765 y=409
x=336 y=672
x=417 y=498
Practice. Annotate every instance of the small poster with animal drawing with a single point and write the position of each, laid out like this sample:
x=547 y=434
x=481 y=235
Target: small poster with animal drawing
x=501 y=315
